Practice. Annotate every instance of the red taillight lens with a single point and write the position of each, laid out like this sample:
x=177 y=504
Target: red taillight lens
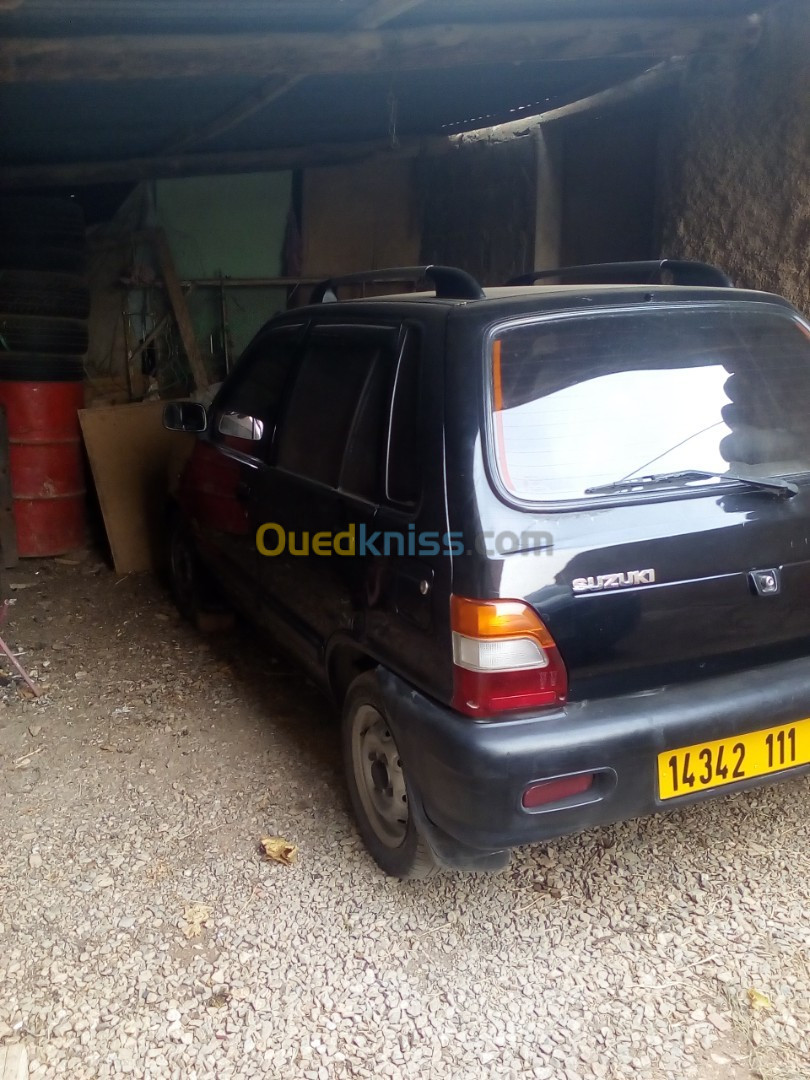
x=551 y=791
x=504 y=658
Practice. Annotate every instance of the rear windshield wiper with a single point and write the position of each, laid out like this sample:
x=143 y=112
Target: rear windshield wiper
x=783 y=488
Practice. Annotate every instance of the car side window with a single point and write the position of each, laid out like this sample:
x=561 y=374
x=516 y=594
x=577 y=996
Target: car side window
x=333 y=427
x=246 y=410
x=403 y=474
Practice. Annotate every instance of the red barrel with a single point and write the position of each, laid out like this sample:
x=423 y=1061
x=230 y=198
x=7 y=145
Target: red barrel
x=47 y=470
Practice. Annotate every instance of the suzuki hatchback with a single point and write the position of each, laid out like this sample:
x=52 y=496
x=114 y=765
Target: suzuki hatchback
x=546 y=545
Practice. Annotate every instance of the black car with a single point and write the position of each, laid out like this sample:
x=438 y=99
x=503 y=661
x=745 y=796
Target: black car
x=547 y=545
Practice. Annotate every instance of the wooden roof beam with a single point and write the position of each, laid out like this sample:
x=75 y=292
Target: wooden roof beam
x=668 y=71
x=132 y=170
x=139 y=57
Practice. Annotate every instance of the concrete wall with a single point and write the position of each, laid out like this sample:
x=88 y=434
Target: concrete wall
x=233 y=225
x=735 y=166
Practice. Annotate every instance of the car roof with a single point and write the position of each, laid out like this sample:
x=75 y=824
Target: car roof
x=518 y=299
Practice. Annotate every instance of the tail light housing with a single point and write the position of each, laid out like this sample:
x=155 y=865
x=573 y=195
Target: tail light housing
x=504 y=658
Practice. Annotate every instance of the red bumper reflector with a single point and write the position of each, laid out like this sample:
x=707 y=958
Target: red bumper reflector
x=549 y=791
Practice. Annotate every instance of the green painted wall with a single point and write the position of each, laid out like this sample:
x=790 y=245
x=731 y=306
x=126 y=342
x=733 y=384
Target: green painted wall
x=231 y=225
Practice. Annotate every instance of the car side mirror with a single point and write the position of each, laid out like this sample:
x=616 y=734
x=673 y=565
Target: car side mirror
x=185 y=416
x=241 y=426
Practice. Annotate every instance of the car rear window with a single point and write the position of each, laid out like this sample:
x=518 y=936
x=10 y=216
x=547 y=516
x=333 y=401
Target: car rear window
x=583 y=401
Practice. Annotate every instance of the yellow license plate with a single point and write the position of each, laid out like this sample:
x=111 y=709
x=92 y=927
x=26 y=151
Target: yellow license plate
x=727 y=761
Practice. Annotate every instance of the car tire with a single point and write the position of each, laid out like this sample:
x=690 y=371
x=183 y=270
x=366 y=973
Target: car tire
x=378 y=785
x=42 y=258
x=194 y=595
x=28 y=292
x=43 y=335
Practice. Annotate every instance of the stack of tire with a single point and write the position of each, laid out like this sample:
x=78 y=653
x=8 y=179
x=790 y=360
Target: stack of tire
x=44 y=307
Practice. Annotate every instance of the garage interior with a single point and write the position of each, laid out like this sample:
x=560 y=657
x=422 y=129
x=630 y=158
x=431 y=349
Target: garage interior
x=173 y=173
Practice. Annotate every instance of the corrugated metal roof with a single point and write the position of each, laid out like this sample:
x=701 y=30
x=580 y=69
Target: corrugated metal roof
x=91 y=121
x=69 y=121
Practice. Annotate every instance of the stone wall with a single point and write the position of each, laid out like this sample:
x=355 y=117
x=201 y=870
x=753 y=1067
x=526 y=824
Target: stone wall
x=735 y=161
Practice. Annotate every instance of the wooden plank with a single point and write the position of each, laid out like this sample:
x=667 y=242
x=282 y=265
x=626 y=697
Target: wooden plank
x=14 y=1062
x=8 y=529
x=206 y=56
x=323 y=154
x=181 y=313
x=131 y=454
x=248 y=283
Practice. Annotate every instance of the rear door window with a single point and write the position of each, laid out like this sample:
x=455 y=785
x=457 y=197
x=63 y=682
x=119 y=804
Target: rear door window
x=577 y=402
x=335 y=418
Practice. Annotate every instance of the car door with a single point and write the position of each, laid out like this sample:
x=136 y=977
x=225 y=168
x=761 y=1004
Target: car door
x=242 y=425
x=410 y=521
x=326 y=480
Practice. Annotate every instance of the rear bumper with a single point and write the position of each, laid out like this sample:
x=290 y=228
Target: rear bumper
x=468 y=777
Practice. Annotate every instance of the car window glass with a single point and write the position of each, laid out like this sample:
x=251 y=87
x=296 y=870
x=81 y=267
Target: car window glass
x=581 y=402
x=253 y=392
x=403 y=475
x=361 y=472
x=338 y=392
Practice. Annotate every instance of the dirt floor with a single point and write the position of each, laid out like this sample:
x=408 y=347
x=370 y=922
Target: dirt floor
x=142 y=934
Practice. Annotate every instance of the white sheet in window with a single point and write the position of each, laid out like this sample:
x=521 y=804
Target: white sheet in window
x=605 y=429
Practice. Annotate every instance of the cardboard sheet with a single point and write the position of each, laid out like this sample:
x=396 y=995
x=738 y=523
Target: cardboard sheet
x=131 y=455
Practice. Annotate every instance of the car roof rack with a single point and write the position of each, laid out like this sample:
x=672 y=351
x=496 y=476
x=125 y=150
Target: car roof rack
x=645 y=272
x=449 y=282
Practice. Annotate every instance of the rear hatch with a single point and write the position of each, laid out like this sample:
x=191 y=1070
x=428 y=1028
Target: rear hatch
x=665 y=450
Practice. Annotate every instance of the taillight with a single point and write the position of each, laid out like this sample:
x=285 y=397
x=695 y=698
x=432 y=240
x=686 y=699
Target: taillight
x=504 y=658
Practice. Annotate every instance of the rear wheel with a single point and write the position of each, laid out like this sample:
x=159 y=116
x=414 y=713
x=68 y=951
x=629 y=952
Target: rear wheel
x=378 y=785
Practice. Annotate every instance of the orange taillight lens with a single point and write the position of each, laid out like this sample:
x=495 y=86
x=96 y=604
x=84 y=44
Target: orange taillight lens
x=497 y=619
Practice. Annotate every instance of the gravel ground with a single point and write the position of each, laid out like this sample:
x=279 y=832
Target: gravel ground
x=141 y=933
